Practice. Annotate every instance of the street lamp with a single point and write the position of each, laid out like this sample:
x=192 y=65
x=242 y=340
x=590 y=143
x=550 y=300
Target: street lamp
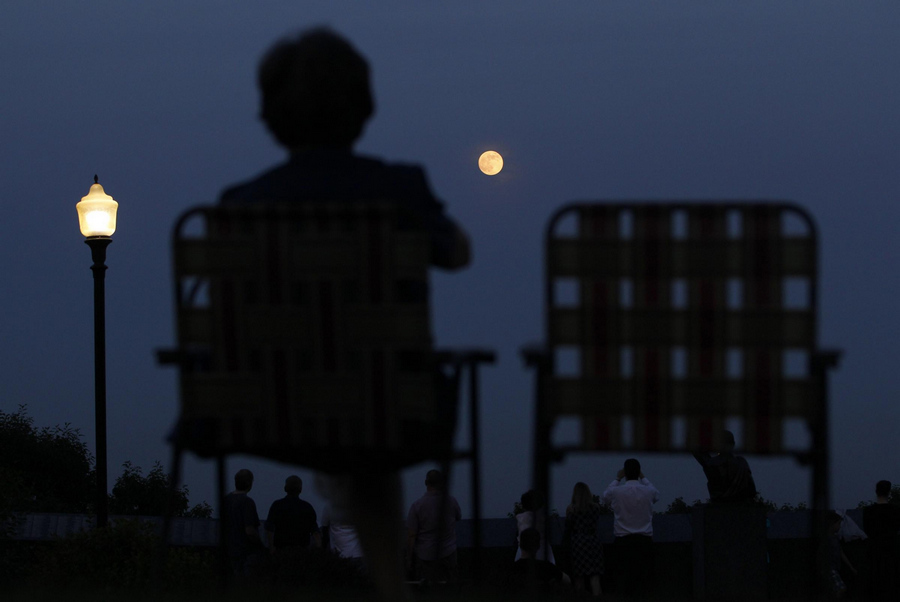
x=97 y=220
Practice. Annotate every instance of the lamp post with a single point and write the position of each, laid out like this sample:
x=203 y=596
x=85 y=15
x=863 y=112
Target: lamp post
x=97 y=220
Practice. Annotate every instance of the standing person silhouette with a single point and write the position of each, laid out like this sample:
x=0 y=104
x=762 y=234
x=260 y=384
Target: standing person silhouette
x=242 y=525
x=631 y=497
x=585 y=549
x=316 y=100
x=728 y=477
x=881 y=522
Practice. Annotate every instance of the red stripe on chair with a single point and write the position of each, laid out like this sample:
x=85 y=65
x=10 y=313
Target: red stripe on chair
x=708 y=327
x=653 y=393
x=379 y=397
x=326 y=315
x=228 y=334
x=282 y=405
x=273 y=263
x=705 y=433
x=764 y=398
x=376 y=258
x=601 y=433
x=764 y=245
x=600 y=326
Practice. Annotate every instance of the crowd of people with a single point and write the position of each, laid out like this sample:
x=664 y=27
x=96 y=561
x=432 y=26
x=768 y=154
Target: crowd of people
x=292 y=529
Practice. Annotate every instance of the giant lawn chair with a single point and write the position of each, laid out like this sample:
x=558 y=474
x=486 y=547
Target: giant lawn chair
x=304 y=336
x=667 y=323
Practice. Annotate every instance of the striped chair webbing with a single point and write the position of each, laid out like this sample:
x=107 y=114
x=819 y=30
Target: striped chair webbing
x=681 y=321
x=316 y=326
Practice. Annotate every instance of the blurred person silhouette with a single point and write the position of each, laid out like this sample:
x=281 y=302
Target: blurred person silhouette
x=242 y=526
x=291 y=522
x=585 y=549
x=316 y=100
x=530 y=572
x=431 y=538
x=728 y=477
x=532 y=516
x=631 y=497
x=339 y=536
x=831 y=557
x=881 y=522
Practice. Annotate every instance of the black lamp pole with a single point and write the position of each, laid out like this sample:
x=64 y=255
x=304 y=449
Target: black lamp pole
x=98 y=246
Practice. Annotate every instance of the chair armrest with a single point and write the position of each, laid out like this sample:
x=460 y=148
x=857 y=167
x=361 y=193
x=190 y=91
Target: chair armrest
x=460 y=357
x=535 y=355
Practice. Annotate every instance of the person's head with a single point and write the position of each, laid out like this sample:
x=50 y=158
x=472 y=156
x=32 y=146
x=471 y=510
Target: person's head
x=315 y=90
x=632 y=469
x=532 y=500
x=581 y=496
x=883 y=489
x=434 y=479
x=727 y=441
x=243 y=480
x=529 y=541
x=833 y=521
x=293 y=485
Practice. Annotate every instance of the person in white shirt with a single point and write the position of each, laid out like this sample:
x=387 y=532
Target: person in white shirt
x=631 y=497
x=339 y=535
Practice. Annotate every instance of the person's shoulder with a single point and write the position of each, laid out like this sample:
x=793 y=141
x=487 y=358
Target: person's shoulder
x=256 y=188
x=395 y=167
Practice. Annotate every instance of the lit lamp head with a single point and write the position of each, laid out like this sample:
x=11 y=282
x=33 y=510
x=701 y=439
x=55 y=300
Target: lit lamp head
x=97 y=213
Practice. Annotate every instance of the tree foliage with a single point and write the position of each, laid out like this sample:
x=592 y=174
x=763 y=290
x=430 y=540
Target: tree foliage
x=43 y=469
x=679 y=506
x=50 y=469
x=122 y=556
x=137 y=495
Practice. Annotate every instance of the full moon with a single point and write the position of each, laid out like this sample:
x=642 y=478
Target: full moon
x=490 y=162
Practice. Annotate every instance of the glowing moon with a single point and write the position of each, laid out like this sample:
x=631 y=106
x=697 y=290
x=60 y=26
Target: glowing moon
x=490 y=163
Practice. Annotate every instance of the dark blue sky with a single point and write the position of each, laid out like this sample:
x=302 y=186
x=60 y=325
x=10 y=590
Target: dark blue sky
x=599 y=99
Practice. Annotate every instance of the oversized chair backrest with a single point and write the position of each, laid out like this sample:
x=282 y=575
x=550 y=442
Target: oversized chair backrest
x=667 y=323
x=304 y=336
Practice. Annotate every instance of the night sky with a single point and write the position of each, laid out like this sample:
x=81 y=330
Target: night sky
x=585 y=100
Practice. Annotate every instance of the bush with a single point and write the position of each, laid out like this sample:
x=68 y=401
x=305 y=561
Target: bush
x=122 y=556
x=43 y=470
x=679 y=506
x=137 y=495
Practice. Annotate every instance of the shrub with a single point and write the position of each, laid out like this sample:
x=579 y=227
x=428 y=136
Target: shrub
x=122 y=556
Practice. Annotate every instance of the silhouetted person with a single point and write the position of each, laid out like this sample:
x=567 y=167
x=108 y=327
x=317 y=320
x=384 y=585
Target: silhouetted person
x=339 y=536
x=291 y=522
x=881 y=522
x=585 y=549
x=316 y=100
x=631 y=497
x=831 y=557
x=728 y=477
x=533 y=516
x=242 y=524
x=431 y=537
x=530 y=572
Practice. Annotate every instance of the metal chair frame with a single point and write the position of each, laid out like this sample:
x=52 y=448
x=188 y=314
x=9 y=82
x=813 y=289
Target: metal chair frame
x=304 y=330
x=676 y=317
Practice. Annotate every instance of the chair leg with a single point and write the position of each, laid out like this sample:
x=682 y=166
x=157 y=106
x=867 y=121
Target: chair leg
x=374 y=503
x=174 y=480
x=475 y=446
x=224 y=562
